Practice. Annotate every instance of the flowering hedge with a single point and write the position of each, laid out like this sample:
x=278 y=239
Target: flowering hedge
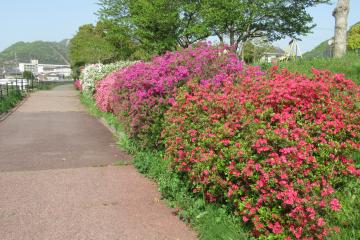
x=95 y=72
x=141 y=93
x=274 y=148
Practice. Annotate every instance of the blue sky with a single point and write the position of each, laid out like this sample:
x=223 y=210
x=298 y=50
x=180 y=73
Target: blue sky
x=54 y=20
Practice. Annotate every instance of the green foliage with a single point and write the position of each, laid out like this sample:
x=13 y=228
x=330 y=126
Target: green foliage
x=156 y=26
x=90 y=46
x=155 y=23
x=28 y=75
x=349 y=65
x=348 y=218
x=161 y=25
x=354 y=37
x=45 y=52
x=211 y=222
x=10 y=100
x=243 y=20
x=120 y=37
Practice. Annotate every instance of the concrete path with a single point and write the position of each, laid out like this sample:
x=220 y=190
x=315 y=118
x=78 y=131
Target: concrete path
x=58 y=179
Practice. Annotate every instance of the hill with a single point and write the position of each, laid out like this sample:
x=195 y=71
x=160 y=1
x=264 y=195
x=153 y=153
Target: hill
x=323 y=49
x=45 y=52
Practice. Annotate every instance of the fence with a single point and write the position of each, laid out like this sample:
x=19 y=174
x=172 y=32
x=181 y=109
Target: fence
x=15 y=88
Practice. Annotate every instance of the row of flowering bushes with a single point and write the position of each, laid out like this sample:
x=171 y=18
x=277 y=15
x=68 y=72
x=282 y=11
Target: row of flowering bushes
x=141 y=93
x=274 y=147
x=95 y=72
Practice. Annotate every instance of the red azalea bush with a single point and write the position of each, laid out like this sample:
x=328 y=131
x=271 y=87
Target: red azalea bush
x=141 y=93
x=274 y=148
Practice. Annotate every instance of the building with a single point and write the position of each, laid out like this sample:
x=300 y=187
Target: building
x=46 y=71
x=29 y=67
x=10 y=71
x=272 y=55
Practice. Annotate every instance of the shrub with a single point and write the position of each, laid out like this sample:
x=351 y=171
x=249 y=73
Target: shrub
x=273 y=148
x=10 y=100
x=141 y=93
x=95 y=72
x=77 y=85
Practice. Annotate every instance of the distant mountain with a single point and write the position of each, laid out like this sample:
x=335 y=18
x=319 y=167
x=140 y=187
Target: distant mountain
x=45 y=52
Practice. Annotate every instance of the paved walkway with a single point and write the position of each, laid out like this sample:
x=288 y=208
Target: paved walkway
x=58 y=179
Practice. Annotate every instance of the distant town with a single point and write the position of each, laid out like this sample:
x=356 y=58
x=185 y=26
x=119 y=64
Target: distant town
x=42 y=71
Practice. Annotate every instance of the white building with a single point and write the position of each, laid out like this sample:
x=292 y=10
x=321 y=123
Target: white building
x=44 y=70
x=272 y=55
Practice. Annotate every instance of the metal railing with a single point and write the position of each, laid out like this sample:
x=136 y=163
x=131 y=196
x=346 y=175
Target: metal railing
x=16 y=85
x=12 y=87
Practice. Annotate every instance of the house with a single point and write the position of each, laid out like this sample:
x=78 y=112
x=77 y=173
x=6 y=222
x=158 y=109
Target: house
x=272 y=55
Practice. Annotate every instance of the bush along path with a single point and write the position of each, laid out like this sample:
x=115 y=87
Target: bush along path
x=273 y=154
x=59 y=179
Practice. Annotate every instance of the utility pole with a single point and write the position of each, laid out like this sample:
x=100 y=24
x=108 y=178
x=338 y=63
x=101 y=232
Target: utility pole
x=340 y=14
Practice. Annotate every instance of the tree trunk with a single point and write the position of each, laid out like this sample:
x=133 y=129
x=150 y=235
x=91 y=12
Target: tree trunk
x=340 y=13
x=232 y=37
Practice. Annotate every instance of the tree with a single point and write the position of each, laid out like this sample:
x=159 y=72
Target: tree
x=90 y=46
x=28 y=75
x=161 y=25
x=119 y=36
x=191 y=28
x=353 y=41
x=340 y=13
x=157 y=25
x=243 y=20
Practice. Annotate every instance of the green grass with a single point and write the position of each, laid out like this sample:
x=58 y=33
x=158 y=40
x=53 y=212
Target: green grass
x=348 y=219
x=210 y=221
x=9 y=101
x=349 y=65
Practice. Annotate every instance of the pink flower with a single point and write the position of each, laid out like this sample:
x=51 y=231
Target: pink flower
x=171 y=101
x=260 y=131
x=276 y=228
x=226 y=142
x=296 y=231
x=320 y=222
x=335 y=204
x=290 y=197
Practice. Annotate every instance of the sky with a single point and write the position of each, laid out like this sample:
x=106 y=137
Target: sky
x=55 y=20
